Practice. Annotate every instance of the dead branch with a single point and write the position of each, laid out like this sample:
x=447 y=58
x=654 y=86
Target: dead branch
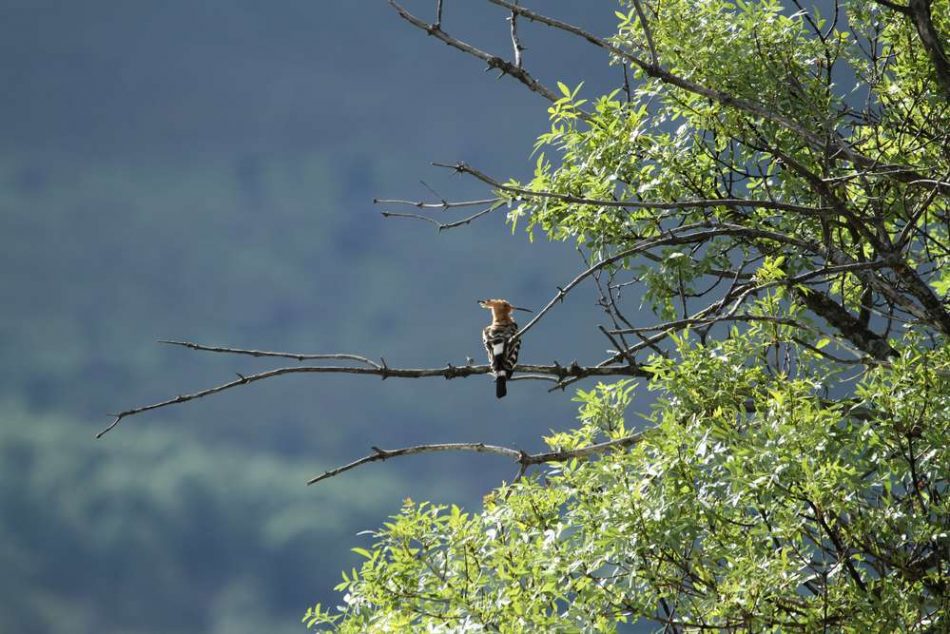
x=493 y=61
x=443 y=205
x=381 y=370
x=262 y=353
x=440 y=226
x=515 y=40
x=524 y=459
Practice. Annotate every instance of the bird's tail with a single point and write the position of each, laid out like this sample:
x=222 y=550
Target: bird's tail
x=501 y=385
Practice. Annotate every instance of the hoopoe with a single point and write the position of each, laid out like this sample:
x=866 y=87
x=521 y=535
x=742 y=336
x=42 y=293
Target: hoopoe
x=497 y=337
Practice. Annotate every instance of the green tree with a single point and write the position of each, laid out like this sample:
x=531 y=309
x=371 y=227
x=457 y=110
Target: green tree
x=772 y=181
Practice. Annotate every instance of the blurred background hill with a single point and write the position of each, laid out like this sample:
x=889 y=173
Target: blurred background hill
x=205 y=171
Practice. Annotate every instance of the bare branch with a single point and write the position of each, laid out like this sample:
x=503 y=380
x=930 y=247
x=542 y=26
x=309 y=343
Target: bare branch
x=385 y=454
x=441 y=226
x=262 y=353
x=385 y=372
x=524 y=459
x=444 y=205
x=515 y=41
x=493 y=61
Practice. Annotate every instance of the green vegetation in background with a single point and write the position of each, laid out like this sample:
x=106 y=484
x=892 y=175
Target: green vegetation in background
x=157 y=532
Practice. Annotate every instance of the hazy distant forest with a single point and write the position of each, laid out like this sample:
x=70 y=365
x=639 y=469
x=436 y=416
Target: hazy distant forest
x=730 y=219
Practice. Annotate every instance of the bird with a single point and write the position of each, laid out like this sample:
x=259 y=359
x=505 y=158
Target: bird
x=499 y=341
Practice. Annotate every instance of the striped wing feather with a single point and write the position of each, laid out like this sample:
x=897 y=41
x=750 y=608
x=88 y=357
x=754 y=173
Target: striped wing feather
x=502 y=355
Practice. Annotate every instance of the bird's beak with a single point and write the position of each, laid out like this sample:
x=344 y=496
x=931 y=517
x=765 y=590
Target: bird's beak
x=527 y=310
x=481 y=303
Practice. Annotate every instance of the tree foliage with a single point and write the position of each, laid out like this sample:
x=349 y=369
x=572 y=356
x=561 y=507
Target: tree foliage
x=797 y=516
x=773 y=183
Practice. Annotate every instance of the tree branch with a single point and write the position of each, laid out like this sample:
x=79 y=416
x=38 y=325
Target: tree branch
x=919 y=11
x=262 y=353
x=441 y=226
x=732 y=203
x=444 y=205
x=516 y=41
x=493 y=61
x=524 y=459
x=900 y=8
x=647 y=32
x=686 y=234
x=381 y=370
x=844 y=322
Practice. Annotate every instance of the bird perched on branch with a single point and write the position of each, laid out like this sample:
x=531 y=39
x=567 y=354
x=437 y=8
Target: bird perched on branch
x=500 y=343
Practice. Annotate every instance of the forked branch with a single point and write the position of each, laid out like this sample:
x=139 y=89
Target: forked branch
x=493 y=61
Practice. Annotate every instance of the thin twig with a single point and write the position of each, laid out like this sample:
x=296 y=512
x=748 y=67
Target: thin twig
x=445 y=204
x=263 y=353
x=441 y=226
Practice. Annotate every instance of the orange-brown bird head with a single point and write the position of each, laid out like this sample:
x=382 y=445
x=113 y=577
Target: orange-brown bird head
x=500 y=309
